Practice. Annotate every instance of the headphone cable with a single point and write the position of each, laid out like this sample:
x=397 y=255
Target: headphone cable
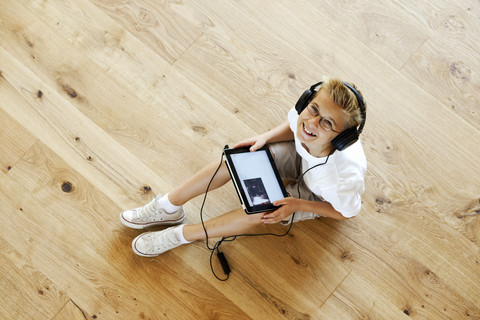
x=220 y=255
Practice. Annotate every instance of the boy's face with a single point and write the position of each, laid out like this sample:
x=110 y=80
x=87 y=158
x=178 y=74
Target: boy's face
x=309 y=131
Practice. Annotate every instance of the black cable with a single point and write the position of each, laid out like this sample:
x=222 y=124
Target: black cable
x=317 y=165
x=220 y=255
x=218 y=243
x=203 y=203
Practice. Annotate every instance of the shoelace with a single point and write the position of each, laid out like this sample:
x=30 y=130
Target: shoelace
x=159 y=242
x=162 y=245
x=146 y=211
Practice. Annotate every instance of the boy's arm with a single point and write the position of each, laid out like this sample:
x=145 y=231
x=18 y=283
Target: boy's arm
x=290 y=205
x=280 y=133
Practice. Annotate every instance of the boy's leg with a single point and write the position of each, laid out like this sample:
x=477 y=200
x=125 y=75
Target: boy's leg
x=229 y=224
x=197 y=184
x=152 y=244
x=167 y=210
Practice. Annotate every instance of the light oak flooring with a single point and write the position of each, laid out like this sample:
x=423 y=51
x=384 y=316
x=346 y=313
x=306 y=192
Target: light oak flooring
x=105 y=103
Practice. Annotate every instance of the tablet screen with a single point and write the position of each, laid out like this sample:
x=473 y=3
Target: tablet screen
x=255 y=174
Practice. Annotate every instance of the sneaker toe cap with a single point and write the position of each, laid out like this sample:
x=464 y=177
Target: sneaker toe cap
x=139 y=245
x=126 y=215
x=142 y=246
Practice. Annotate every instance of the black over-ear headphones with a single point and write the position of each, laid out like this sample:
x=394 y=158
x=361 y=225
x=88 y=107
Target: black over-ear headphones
x=347 y=137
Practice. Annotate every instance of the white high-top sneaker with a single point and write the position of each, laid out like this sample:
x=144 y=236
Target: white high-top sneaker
x=149 y=215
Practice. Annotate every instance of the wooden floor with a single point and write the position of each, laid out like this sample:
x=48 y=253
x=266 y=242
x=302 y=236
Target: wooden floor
x=105 y=103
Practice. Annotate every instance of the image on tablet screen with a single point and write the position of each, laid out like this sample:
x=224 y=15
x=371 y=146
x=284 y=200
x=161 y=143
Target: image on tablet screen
x=256 y=191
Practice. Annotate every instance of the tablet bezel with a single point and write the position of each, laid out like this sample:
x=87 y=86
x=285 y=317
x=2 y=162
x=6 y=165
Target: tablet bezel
x=238 y=186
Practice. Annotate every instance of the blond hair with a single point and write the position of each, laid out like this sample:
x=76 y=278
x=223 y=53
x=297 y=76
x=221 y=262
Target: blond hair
x=346 y=99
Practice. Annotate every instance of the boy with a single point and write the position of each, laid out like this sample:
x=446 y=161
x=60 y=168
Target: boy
x=317 y=148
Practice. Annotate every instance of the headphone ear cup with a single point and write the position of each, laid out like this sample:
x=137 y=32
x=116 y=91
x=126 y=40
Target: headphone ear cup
x=304 y=100
x=345 y=139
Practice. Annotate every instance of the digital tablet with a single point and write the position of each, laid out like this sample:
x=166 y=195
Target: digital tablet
x=256 y=178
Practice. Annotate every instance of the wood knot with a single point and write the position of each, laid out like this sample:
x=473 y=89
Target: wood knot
x=382 y=204
x=346 y=255
x=460 y=71
x=299 y=261
x=295 y=260
x=236 y=110
x=146 y=189
x=452 y=24
x=408 y=310
x=77 y=139
x=291 y=76
x=200 y=129
x=72 y=93
x=67 y=187
x=471 y=210
x=39 y=94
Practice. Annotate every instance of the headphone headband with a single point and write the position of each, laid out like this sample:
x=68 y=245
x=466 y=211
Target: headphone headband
x=361 y=105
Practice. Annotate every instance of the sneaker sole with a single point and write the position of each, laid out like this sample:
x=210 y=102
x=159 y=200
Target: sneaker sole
x=134 y=225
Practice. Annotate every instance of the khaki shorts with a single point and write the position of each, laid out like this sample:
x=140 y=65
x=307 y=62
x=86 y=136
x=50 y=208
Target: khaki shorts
x=289 y=165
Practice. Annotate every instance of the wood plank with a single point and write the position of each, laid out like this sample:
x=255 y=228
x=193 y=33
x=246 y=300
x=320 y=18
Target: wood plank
x=401 y=272
x=112 y=112
x=452 y=78
x=450 y=24
x=385 y=28
x=167 y=99
x=395 y=30
x=449 y=58
x=113 y=49
x=78 y=141
x=434 y=44
x=356 y=298
x=155 y=24
x=14 y=141
x=254 y=78
x=279 y=277
x=306 y=270
x=71 y=312
x=26 y=292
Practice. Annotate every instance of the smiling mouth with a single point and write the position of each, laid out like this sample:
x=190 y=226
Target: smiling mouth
x=308 y=131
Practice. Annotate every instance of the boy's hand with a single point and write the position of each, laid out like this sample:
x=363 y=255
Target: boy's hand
x=288 y=207
x=255 y=143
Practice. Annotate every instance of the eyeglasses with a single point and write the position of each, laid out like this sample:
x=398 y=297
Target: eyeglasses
x=324 y=123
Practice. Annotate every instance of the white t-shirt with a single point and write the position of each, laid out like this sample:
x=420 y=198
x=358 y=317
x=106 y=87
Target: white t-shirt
x=341 y=180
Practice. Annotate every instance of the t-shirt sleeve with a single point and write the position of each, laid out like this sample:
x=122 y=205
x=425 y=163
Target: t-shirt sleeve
x=346 y=195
